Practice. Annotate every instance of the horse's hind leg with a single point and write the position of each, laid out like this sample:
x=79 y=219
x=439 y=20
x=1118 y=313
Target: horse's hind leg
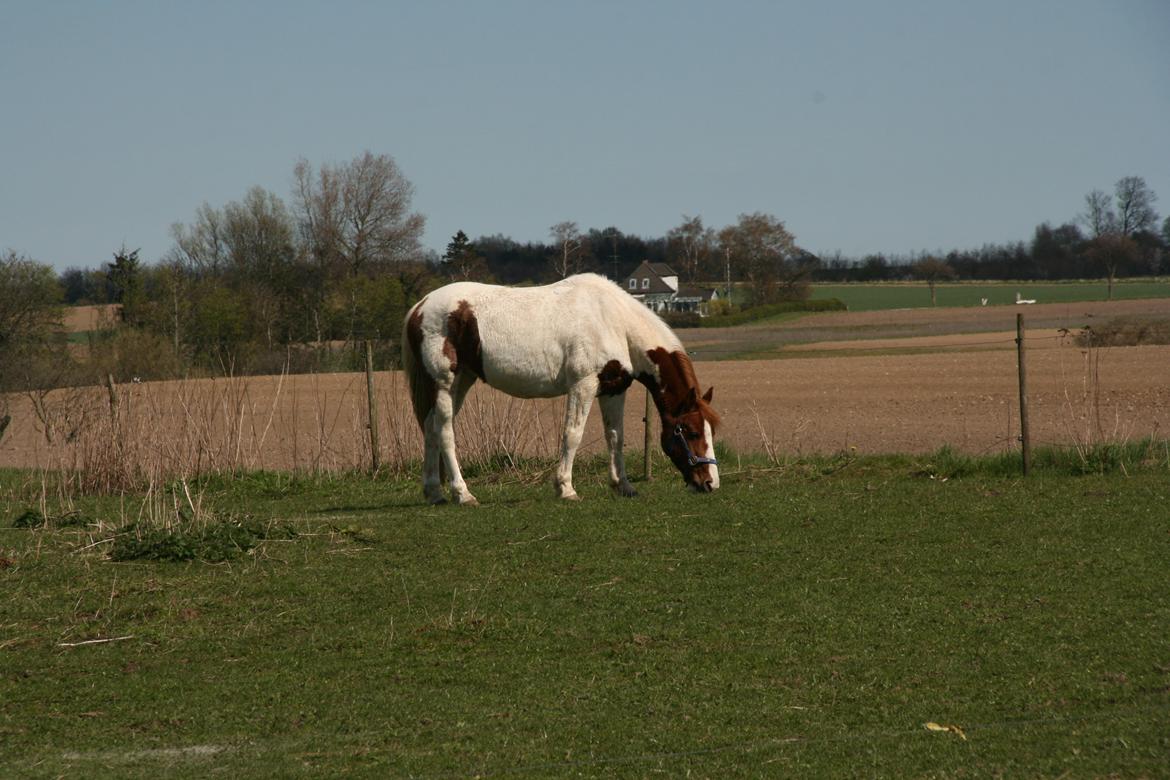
x=432 y=462
x=612 y=417
x=444 y=424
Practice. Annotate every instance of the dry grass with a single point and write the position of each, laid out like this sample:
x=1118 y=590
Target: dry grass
x=159 y=432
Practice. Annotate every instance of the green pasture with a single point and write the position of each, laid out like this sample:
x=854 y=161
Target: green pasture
x=807 y=620
x=913 y=295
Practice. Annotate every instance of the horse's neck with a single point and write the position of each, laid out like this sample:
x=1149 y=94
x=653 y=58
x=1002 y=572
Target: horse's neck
x=662 y=365
x=647 y=334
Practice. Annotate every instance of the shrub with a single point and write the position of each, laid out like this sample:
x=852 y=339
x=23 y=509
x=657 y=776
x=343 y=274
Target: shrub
x=1125 y=332
x=757 y=313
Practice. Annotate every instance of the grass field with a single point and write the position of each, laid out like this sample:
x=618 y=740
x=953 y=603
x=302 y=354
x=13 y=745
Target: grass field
x=806 y=620
x=912 y=295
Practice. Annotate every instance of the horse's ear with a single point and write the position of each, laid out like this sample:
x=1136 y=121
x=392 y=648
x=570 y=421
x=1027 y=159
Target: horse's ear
x=708 y=395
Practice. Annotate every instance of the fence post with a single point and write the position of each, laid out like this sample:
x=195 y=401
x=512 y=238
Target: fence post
x=372 y=402
x=1025 y=440
x=648 y=424
x=112 y=389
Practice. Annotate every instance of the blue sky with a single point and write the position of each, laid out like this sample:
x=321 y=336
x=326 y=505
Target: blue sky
x=865 y=126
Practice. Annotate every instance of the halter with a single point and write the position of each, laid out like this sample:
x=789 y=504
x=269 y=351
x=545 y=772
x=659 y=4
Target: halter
x=692 y=459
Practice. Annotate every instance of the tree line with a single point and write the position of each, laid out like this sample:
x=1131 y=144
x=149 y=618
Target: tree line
x=265 y=284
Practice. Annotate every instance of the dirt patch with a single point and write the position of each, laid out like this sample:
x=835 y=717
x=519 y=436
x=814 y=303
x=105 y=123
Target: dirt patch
x=82 y=319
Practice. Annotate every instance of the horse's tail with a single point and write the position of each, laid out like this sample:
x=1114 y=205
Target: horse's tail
x=422 y=385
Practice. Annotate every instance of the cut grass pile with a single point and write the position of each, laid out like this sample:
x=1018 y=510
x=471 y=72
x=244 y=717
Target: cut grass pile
x=809 y=619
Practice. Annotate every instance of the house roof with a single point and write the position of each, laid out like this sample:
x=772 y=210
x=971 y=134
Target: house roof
x=687 y=291
x=654 y=272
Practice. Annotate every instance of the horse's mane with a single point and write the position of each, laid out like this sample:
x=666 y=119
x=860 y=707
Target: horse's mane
x=678 y=374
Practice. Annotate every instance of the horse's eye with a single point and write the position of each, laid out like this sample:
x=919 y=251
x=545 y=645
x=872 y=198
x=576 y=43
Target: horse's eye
x=692 y=435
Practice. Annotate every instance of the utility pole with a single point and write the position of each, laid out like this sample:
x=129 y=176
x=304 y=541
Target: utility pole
x=727 y=260
x=614 y=256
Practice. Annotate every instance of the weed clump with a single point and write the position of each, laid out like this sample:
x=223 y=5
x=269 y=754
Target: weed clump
x=35 y=518
x=1125 y=332
x=213 y=542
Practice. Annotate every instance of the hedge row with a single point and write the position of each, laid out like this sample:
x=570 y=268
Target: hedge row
x=680 y=319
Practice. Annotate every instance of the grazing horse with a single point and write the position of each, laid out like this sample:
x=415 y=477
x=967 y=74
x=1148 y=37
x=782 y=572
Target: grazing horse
x=583 y=337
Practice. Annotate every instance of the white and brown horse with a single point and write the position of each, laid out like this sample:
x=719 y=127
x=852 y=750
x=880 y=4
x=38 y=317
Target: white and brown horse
x=583 y=337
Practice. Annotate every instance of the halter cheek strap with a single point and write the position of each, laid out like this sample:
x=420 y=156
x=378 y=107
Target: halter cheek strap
x=692 y=458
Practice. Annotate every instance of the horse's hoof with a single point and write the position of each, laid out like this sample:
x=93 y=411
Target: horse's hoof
x=468 y=501
x=437 y=501
x=570 y=497
x=625 y=491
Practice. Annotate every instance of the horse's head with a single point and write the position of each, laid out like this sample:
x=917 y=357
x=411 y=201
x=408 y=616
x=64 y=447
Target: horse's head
x=688 y=439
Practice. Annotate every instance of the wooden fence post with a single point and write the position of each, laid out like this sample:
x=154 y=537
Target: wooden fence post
x=112 y=389
x=1025 y=440
x=648 y=438
x=372 y=402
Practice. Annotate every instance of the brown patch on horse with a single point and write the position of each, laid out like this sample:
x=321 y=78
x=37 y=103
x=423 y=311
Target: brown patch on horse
x=677 y=389
x=462 y=346
x=613 y=379
x=422 y=385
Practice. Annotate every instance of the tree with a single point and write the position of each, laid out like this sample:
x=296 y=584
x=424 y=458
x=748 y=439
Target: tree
x=1055 y=251
x=1098 y=215
x=30 y=315
x=1119 y=237
x=355 y=218
x=761 y=248
x=462 y=261
x=932 y=270
x=569 y=246
x=1135 y=206
x=691 y=247
x=125 y=285
x=1112 y=251
x=202 y=246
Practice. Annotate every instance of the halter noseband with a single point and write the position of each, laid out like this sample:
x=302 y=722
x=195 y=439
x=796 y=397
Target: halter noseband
x=692 y=459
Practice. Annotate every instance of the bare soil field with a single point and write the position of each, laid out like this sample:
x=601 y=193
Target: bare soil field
x=81 y=319
x=773 y=339
x=926 y=379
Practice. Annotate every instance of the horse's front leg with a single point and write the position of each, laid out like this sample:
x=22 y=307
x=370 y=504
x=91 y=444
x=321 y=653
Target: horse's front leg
x=613 y=418
x=576 y=413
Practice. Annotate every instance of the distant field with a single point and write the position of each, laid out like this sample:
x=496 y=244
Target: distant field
x=912 y=295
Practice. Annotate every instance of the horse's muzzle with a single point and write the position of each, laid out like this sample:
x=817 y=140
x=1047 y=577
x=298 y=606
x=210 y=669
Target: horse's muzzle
x=706 y=486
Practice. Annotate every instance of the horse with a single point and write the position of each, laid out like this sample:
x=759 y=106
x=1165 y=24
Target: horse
x=583 y=337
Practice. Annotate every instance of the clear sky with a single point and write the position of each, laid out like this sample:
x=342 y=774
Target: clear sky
x=866 y=126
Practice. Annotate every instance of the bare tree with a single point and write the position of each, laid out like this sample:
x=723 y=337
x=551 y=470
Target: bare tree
x=1135 y=206
x=691 y=246
x=1098 y=215
x=1112 y=244
x=355 y=217
x=1111 y=251
x=760 y=247
x=201 y=246
x=570 y=248
x=932 y=271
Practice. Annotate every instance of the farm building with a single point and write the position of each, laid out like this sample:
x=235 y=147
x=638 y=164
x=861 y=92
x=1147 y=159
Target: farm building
x=656 y=285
